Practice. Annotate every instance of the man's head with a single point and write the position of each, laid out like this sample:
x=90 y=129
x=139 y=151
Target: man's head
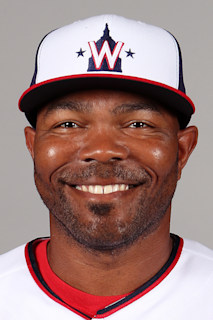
x=109 y=144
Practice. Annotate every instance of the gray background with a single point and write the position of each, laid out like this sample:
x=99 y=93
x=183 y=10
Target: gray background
x=22 y=25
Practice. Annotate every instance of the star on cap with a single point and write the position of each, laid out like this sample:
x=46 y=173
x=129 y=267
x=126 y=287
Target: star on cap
x=80 y=52
x=130 y=53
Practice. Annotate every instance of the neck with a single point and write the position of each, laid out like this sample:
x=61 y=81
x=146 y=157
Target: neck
x=111 y=273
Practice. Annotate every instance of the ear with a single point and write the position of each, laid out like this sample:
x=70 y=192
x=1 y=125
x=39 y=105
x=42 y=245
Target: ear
x=30 y=138
x=187 y=140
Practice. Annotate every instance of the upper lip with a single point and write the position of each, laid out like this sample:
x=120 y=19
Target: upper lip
x=102 y=183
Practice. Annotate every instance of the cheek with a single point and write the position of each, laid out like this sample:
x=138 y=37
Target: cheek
x=164 y=159
x=158 y=157
x=52 y=153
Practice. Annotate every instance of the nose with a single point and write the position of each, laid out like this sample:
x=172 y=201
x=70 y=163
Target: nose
x=103 y=147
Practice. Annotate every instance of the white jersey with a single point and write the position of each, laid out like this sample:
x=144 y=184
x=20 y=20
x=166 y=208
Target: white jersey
x=181 y=290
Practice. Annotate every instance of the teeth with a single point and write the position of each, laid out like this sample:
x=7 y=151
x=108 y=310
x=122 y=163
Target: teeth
x=97 y=189
x=84 y=188
x=123 y=187
x=108 y=189
x=91 y=189
x=115 y=187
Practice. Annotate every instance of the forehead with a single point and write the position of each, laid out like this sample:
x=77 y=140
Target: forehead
x=116 y=102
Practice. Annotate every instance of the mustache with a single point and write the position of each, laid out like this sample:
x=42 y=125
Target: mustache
x=104 y=171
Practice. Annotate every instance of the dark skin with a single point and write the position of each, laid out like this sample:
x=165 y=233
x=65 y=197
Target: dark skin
x=108 y=138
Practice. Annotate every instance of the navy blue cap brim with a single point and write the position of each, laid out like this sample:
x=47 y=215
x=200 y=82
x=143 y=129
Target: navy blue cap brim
x=38 y=95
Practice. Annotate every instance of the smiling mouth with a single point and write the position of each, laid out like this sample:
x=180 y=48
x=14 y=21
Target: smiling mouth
x=99 y=189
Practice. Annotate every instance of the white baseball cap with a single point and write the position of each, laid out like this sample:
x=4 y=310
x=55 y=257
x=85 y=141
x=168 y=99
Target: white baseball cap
x=110 y=52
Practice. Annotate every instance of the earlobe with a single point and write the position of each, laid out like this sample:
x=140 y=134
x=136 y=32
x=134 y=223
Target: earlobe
x=30 y=138
x=187 y=140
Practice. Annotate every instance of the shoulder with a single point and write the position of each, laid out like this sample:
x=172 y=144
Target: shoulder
x=12 y=262
x=198 y=252
x=196 y=262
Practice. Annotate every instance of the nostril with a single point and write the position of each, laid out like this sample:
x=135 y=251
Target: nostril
x=116 y=158
x=88 y=159
x=105 y=151
x=108 y=160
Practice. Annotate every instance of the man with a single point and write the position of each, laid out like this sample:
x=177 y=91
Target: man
x=109 y=139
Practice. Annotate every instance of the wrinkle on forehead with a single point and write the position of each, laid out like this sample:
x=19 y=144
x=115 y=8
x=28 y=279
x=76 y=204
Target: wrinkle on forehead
x=68 y=105
x=129 y=107
x=86 y=107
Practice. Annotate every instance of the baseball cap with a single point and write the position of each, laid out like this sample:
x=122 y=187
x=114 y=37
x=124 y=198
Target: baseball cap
x=110 y=52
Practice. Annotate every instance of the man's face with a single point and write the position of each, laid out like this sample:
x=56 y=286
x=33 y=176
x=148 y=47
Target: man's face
x=106 y=165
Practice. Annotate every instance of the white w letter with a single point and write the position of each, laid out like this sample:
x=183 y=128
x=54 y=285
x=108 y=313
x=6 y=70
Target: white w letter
x=105 y=52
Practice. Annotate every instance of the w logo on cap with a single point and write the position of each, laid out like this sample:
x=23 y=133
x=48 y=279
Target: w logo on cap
x=105 y=54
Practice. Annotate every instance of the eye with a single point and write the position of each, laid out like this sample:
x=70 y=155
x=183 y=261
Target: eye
x=68 y=124
x=138 y=124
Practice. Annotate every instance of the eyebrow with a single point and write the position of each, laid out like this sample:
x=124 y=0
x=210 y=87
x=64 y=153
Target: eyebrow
x=87 y=108
x=130 y=107
x=68 y=105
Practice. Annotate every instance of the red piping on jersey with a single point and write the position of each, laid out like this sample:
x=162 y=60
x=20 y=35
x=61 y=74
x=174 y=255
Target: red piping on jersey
x=88 y=304
x=45 y=290
x=115 y=76
x=106 y=313
x=155 y=284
